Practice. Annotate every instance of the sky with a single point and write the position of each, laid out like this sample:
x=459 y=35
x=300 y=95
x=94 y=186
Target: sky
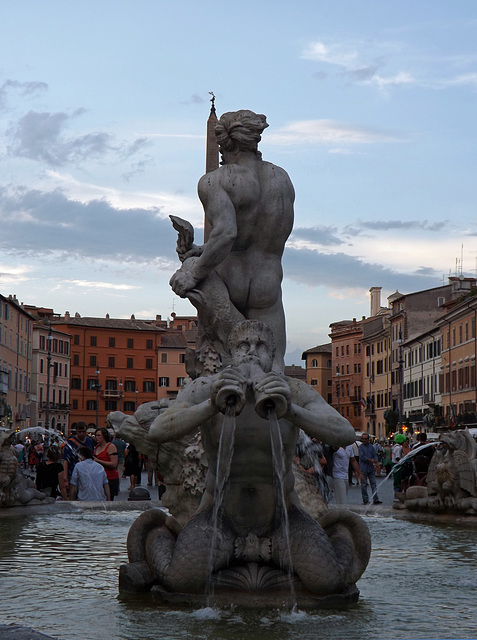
x=371 y=106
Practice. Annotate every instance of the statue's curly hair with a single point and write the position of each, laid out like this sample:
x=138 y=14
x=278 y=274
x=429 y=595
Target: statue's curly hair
x=240 y=130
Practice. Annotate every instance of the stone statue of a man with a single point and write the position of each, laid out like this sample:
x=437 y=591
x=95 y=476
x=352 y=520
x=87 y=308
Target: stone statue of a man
x=248 y=204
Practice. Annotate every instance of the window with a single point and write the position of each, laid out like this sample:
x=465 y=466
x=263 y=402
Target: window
x=111 y=405
x=75 y=360
x=130 y=343
x=75 y=404
x=130 y=385
x=92 y=341
x=41 y=365
x=112 y=342
x=149 y=344
x=129 y=406
x=148 y=386
x=91 y=405
x=129 y=363
x=76 y=339
x=76 y=383
x=314 y=383
x=42 y=343
x=148 y=363
x=314 y=363
x=180 y=381
x=111 y=362
x=92 y=361
x=91 y=384
x=112 y=385
x=182 y=358
x=164 y=382
x=163 y=357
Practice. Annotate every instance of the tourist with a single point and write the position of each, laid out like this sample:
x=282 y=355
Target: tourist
x=132 y=465
x=248 y=205
x=342 y=458
x=33 y=459
x=21 y=453
x=397 y=454
x=387 y=460
x=88 y=480
x=106 y=454
x=120 y=445
x=367 y=464
x=70 y=455
x=50 y=475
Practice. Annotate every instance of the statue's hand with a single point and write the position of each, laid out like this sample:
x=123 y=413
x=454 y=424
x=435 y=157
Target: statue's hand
x=195 y=250
x=274 y=384
x=182 y=282
x=272 y=391
x=229 y=389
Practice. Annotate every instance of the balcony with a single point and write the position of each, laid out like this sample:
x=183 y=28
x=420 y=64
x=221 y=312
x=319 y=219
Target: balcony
x=55 y=406
x=111 y=393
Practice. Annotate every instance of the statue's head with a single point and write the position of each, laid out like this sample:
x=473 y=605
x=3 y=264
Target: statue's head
x=252 y=341
x=240 y=131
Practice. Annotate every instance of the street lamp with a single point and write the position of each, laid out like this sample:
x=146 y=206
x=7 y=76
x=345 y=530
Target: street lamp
x=338 y=389
x=48 y=367
x=96 y=386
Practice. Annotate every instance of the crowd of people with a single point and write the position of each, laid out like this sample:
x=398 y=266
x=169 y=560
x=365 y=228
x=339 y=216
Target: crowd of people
x=83 y=467
x=335 y=470
x=91 y=468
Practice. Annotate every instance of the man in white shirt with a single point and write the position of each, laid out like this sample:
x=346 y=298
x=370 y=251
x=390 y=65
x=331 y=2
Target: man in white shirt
x=341 y=460
x=89 y=481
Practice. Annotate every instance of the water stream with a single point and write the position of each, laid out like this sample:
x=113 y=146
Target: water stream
x=280 y=500
x=224 y=460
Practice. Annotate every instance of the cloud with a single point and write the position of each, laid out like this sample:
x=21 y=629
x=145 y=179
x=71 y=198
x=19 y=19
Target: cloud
x=343 y=271
x=85 y=284
x=325 y=236
x=49 y=223
x=338 y=54
x=386 y=225
x=24 y=89
x=40 y=136
x=328 y=132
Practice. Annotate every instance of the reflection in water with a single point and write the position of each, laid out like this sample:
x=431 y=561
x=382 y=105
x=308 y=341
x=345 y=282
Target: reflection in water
x=59 y=576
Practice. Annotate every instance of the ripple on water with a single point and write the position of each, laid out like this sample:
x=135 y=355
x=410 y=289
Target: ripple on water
x=49 y=564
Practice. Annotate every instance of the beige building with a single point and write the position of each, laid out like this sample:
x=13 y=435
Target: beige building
x=16 y=331
x=318 y=365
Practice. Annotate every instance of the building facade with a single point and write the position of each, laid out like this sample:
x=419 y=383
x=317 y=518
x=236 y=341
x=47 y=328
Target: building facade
x=118 y=364
x=347 y=368
x=16 y=332
x=50 y=378
x=319 y=372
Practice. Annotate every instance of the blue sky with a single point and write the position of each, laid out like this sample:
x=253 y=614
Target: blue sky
x=103 y=106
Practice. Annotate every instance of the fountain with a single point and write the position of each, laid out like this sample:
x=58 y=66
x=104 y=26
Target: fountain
x=451 y=483
x=15 y=488
x=250 y=541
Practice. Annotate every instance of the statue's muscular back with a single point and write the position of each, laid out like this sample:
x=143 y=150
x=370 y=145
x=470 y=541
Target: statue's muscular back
x=259 y=196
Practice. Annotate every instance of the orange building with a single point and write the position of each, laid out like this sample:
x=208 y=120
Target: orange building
x=347 y=367
x=318 y=370
x=118 y=364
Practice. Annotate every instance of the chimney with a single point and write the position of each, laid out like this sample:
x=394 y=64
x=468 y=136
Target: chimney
x=375 y=293
x=67 y=315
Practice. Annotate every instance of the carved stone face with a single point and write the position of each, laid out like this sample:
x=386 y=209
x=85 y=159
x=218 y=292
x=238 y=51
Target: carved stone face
x=254 y=349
